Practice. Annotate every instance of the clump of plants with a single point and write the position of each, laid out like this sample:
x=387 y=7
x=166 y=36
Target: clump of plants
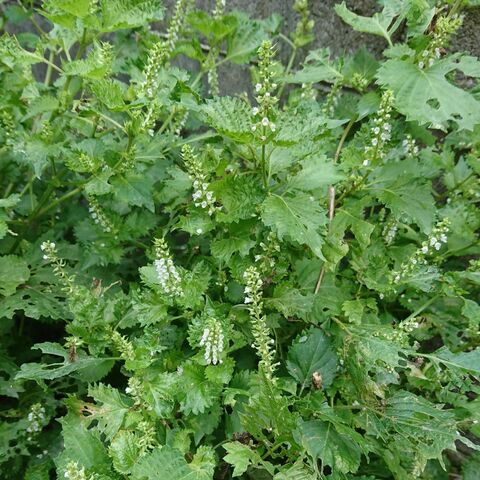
x=278 y=284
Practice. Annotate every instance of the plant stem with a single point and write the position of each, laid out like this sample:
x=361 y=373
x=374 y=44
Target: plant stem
x=48 y=74
x=332 y=194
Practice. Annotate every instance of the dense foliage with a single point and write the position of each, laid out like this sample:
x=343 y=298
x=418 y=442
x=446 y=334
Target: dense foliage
x=278 y=284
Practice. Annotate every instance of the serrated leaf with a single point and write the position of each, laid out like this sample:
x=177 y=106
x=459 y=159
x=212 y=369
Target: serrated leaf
x=111 y=411
x=312 y=352
x=223 y=249
x=291 y=301
x=134 y=189
x=240 y=456
x=243 y=43
x=315 y=173
x=124 y=451
x=322 y=441
x=239 y=196
x=129 y=13
x=318 y=68
x=86 y=367
x=379 y=24
x=299 y=218
x=427 y=96
x=169 y=464
x=409 y=199
x=13 y=272
x=230 y=116
x=197 y=392
x=83 y=446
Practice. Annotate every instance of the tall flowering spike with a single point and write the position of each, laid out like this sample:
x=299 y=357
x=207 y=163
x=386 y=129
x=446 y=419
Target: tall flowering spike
x=213 y=341
x=304 y=28
x=266 y=259
x=167 y=273
x=381 y=130
x=445 y=27
x=434 y=242
x=135 y=390
x=122 y=345
x=50 y=254
x=390 y=230
x=36 y=419
x=202 y=196
x=98 y=215
x=262 y=343
x=410 y=146
x=263 y=124
x=163 y=49
x=212 y=75
x=331 y=101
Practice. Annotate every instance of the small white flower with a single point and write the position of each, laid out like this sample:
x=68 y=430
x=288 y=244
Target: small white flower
x=254 y=127
x=433 y=241
x=425 y=249
x=365 y=163
x=258 y=87
x=438 y=246
x=199 y=231
x=255 y=111
x=265 y=121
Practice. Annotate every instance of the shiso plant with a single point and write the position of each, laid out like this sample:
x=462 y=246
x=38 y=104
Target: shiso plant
x=279 y=284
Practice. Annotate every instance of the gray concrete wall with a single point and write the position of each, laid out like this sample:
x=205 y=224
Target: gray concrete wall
x=330 y=31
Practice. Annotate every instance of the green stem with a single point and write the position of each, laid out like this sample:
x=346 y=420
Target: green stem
x=332 y=194
x=264 y=165
x=420 y=309
x=58 y=201
x=48 y=74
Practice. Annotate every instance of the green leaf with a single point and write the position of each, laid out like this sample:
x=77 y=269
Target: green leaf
x=169 y=464
x=315 y=173
x=243 y=43
x=134 y=189
x=83 y=446
x=298 y=218
x=230 y=116
x=420 y=426
x=408 y=199
x=427 y=96
x=129 y=13
x=240 y=456
x=124 y=451
x=14 y=271
x=318 y=68
x=379 y=24
x=239 y=196
x=223 y=249
x=312 y=352
x=197 y=392
x=77 y=8
x=88 y=368
x=111 y=413
x=291 y=301
x=465 y=361
x=322 y=441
